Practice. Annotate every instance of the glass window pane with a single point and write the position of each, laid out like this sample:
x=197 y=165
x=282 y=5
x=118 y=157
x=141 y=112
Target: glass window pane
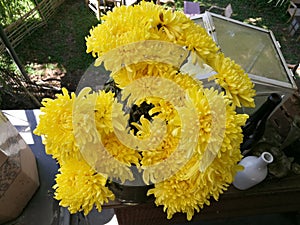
x=251 y=48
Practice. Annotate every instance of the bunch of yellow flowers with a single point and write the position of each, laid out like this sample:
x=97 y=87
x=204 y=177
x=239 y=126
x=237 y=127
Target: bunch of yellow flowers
x=187 y=143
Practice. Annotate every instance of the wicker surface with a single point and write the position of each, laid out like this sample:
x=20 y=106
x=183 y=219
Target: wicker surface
x=271 y=196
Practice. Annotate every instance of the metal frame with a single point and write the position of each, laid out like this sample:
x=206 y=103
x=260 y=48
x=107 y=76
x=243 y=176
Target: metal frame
x=207 y=19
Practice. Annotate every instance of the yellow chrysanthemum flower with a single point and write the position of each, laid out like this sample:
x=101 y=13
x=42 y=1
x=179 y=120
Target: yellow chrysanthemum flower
x=190 y=195
x=120 y=151
x=189 y=143
x=103 y=111
x=238 y=86
x=56 y=126
x=79 y=188
x=122 y=27
x=189 y=189
x=162 y=152
x=197 y=41
x=126 y=76
x=94 y=113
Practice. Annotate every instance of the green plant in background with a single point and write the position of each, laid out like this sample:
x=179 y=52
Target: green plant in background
x=65 y=47
x=12 y=10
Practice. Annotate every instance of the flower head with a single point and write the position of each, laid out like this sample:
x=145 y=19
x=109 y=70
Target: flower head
x=57 y=128
x=238 y=86
x=121 y=27
x=80 y=188
x=186 y=138
x=190 y=188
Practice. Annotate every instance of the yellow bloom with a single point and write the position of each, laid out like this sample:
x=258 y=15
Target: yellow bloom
x=185 y=81
x=178 y=196
x=168 y=25
x=187 y=143
x=56 y=126
x=164 y=110
x=122 y=27
x=200 y=43
x=162 y=152
x=94 y=113
x=230 y=76
x=144 y=128
x=190 y=188
x=103 y=111
x=84 y=117
x=127 y=75
x=80 y=188
x=120 y=151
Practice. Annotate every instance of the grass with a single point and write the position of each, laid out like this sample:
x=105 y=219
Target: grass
x=60 y=43
x=60 y=46
x=267 y=16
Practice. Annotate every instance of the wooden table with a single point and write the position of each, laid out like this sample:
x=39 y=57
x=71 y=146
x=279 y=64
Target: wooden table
x=271 y=196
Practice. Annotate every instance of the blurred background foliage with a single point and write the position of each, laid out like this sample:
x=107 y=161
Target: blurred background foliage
x=57 y=51
x=12 y=10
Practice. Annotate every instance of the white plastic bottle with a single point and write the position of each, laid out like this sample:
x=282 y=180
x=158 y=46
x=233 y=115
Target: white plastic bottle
x=255 y=171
